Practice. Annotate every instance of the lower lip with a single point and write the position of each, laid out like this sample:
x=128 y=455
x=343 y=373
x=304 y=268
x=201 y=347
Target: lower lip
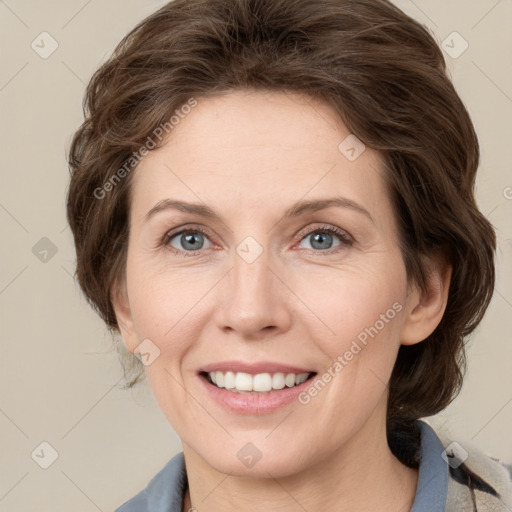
x=264 y=403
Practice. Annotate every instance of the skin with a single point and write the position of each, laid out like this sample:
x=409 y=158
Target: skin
x=295 y=304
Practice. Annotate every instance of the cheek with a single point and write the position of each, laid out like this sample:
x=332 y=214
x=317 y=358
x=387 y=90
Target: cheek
x=357 y=324
x=344 y=303
x=359 y=334
x=161 y=301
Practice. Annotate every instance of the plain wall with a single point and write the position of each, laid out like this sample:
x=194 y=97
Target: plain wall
x=59 y=376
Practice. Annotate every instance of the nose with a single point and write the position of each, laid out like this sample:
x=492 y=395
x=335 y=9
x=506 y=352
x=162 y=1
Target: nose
x=254 y=300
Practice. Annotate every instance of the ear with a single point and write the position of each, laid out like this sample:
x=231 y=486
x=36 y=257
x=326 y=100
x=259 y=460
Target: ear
x=425 y=308
x=121 y=305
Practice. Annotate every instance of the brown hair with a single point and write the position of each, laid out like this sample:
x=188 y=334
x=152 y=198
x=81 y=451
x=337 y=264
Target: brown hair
x=385 y=76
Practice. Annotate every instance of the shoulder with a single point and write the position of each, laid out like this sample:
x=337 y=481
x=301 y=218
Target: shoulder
x=477 y=480
x=164 y=492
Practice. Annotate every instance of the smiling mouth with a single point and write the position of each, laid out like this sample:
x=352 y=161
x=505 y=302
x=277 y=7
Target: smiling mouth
x=261 y=383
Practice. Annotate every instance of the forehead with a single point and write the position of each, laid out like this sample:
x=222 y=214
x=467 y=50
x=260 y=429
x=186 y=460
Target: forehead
x=253 y=148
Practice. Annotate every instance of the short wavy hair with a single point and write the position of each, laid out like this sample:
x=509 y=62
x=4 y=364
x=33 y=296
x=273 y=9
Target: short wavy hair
x=384 y=75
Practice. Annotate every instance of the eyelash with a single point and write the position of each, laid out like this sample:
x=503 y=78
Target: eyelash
x=346 y=240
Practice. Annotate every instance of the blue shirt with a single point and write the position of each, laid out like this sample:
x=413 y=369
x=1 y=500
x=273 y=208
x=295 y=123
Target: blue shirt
x=166 y=490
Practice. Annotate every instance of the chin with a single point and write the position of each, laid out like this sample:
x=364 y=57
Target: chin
x=256 y=460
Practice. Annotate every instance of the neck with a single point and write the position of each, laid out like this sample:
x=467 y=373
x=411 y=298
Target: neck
x=362 y=475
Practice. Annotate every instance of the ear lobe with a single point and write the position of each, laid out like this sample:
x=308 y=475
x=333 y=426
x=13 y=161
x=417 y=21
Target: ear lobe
x=426 y=307
x=121 y=305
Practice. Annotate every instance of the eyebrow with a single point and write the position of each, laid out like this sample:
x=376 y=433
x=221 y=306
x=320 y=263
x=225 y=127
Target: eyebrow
x=297 y=209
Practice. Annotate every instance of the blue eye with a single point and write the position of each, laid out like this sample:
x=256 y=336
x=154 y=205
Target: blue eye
x=191 y=240
x=322 y=239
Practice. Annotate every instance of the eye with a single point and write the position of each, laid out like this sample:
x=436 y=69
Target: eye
x=186 y=241
x=321 y=239
x=189 y=241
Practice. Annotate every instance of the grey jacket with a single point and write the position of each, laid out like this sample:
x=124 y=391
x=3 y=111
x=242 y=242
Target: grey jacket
x=452 y=478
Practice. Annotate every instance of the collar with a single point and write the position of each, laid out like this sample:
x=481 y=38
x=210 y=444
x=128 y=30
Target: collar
x=432 y=488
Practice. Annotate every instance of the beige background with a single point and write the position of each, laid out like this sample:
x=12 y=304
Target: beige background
x=59 y=377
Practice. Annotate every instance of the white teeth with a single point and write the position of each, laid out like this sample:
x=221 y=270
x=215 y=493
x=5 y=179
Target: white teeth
x=290 y=380
x=219 y=379
x=299 y=379
x=261 y=382
x=229 y=380
x=243 y=381
x=278 y=381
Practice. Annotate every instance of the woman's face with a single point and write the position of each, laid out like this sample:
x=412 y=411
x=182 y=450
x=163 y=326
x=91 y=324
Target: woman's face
x=265 y=285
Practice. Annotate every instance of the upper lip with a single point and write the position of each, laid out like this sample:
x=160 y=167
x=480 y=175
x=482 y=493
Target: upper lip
x=252 y=368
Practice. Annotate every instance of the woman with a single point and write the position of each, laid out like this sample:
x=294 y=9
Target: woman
x=225 y=142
